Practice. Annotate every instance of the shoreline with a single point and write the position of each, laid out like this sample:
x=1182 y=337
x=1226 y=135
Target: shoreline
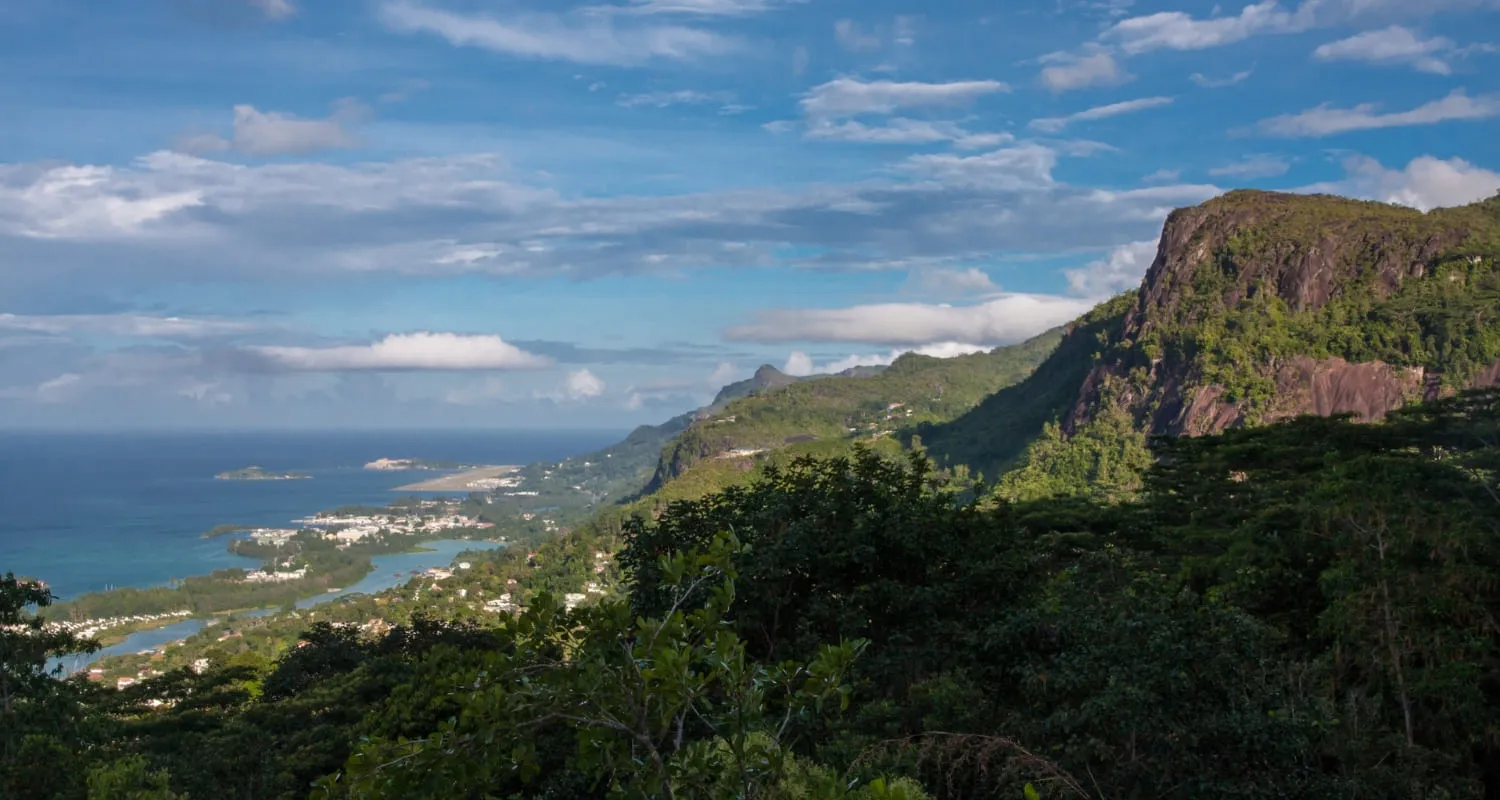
x=460 y=482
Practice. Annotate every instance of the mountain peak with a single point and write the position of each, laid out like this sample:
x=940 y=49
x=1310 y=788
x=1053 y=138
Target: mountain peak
x=768 y=375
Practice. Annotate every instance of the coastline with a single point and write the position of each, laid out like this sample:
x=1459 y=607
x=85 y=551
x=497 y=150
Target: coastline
x=386 y=570
x=460 y=482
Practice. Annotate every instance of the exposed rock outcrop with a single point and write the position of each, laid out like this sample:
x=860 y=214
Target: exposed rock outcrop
x=1305 y=252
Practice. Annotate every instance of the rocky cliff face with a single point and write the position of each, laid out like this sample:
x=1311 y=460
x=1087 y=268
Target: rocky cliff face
x=1264 y=306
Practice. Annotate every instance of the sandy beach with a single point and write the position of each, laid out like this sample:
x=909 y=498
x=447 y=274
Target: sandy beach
x=458 y=482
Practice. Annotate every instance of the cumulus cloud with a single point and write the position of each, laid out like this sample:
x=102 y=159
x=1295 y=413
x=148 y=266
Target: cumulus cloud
x=849 y=97
x=1066 y=72
x=1393 y=45
x=1425 y=183
x=1119 y=271
x=1055 y=124
x=403 y=353
x=270 y=133
x=1254 y=166
x=582 y=384
x=800 y=364
x=582 y=37
x=1326 y=120
x=1003 y=320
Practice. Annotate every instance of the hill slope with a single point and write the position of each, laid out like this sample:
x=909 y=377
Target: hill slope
x=813 y=415
x=1258 y=307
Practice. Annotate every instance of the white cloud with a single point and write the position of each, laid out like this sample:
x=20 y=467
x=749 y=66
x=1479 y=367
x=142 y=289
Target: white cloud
x=1393 y=45
x=1055 y=124
x=900 y=130
x=84 y=202
x=948 y=282
x=1025 y=166
x=1066 y=72
x=725 y=373
x=800 y=364
x=850 y=37
x=848 y=97
x=1006 y=319
x=679 y=97
x=1163 y=176
x=1122 y=269
x=270 y=133
x=275 y=9
x=1254 y=166
x=1325 y=120
x=125 y=325
x=582 y=384
x=1219 y=83
x=404 y=352
x=1175 y=30
x=582 y=38
x=1426 y=182
x=170 y=217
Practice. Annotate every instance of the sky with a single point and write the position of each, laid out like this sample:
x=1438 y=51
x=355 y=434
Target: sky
x=563 y=214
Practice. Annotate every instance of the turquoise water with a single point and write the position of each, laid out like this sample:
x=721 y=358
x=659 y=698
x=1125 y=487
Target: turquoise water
x=437 y=554
x=86 y=512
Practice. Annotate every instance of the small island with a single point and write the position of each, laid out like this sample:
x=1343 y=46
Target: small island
x=259 y=474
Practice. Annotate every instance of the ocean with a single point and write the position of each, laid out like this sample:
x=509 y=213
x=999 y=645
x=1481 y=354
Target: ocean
x=90 y=511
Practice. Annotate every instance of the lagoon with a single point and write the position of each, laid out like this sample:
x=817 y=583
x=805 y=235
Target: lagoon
x=390 y=570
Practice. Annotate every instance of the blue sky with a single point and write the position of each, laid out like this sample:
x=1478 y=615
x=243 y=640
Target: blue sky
x=516 y=213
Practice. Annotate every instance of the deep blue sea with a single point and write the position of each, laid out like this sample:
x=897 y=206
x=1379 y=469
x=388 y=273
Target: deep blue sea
x=91 y=511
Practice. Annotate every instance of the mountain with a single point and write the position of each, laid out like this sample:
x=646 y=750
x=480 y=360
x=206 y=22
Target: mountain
x=620 y=470
x=765 y=378
x=1261 y=307
x=1258 y=307
x=828 y=413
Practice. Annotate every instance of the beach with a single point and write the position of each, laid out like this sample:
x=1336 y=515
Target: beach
x=480 y=479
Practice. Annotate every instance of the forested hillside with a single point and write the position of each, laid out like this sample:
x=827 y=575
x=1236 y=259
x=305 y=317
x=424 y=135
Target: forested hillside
x=1238 y=540
x=1300 y=610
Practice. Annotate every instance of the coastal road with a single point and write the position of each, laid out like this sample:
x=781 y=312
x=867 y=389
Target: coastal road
x=456 y=483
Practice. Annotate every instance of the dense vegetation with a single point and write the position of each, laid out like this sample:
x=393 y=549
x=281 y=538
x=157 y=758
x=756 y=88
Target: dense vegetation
x=1301 y=610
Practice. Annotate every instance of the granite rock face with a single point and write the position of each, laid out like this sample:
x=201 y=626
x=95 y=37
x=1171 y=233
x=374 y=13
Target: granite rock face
x=1306 y=250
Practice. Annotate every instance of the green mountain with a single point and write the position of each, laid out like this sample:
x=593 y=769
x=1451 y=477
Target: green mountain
x=829 y=414
x=1259 y=307
x=619 y=471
